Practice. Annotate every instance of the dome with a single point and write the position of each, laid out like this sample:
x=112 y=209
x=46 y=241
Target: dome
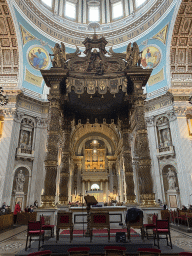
x=116 y=18
x=101 y=11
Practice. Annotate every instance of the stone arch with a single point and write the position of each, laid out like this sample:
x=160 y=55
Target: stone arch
x=93 y=136
x=104 y=130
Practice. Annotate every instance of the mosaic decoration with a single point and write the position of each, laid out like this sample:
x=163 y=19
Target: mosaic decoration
x=162 y=35
x=150 y=57
x=26 y=36
x=38 y=58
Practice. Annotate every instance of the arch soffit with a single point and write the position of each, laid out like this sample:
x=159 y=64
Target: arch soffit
x=92 y=136
x=181 y=43
x=171 y=164
x=23 y=166
x=160 y=116
x=10 y=51
x=104 y=130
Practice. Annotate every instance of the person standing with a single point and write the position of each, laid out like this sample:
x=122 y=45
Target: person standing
x=17 y=209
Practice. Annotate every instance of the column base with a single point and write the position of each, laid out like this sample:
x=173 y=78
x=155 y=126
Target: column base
x=148 y=199
x=131 y=199
x=47 y=201
x=63 y=201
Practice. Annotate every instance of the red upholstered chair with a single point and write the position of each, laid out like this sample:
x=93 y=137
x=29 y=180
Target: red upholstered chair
x=162 y=228
x=99 y=221
x=114 y=250
x=47 y=227
x=34 y=230
x=45 y=253
x=77 y=251
x=148 y=251
x=150 y=226
x=185 y=253
x=64 y=221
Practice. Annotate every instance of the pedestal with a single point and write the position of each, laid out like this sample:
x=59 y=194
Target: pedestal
x=173 y=199
x=49 y=214
x=20 y=197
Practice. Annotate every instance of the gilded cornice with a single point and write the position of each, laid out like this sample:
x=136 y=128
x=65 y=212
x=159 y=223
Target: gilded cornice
x=72 y=33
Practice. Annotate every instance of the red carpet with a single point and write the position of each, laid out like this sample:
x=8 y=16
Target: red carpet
x=96 y=231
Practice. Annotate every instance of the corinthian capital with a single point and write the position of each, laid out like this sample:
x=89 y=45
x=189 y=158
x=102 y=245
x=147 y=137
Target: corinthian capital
x=150 y=120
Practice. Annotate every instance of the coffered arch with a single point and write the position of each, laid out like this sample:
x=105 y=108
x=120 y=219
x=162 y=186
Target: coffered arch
x=95 y=136
x=108 y=132
x=181 y=46
x=9 y=60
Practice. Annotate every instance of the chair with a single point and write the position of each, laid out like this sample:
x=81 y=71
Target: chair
x=114 y=250
x=77 y=251
x=34 y=229
x=189 y=220
x=150 y=226
x=162 y=228
x=137 y=223
x=45 y=253
x=99 y=221
x=148 y=252
x=185 y=253
x=46 y=226
x=64 y=221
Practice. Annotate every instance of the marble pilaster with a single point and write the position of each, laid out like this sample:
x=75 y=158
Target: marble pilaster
x=8 y=143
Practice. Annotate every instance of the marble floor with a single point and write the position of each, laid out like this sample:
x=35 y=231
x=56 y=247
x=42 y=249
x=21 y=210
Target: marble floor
x=13 y=241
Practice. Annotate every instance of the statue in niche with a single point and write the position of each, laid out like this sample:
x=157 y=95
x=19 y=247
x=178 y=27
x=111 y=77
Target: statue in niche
x=24 y=137
x=166 y=135
x=20 y=180
x=171 y=179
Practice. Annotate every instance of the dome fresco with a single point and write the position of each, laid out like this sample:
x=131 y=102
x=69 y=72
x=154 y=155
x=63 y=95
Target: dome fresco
x=43 y=23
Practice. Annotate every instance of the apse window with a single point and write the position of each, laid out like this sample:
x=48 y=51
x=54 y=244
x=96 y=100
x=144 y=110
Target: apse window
x=94 y=13
x=139 y=2
x=117 y=10
x=70 y=10
x=47 y=2
x=95 y=187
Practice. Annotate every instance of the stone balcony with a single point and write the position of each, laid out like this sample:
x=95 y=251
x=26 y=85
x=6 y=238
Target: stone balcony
x=165 y=151
x=24 y=153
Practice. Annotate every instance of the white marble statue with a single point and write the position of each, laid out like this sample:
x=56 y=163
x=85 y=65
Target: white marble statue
x=171 y=179
x=20 y=180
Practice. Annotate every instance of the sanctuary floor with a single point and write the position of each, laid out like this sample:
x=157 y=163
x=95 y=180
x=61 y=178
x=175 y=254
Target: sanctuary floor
x=12 y=242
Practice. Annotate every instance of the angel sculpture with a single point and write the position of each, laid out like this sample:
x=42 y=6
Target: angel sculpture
x=128 y=52
x=136 y=54
x=63 y=51
x=56 y=61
